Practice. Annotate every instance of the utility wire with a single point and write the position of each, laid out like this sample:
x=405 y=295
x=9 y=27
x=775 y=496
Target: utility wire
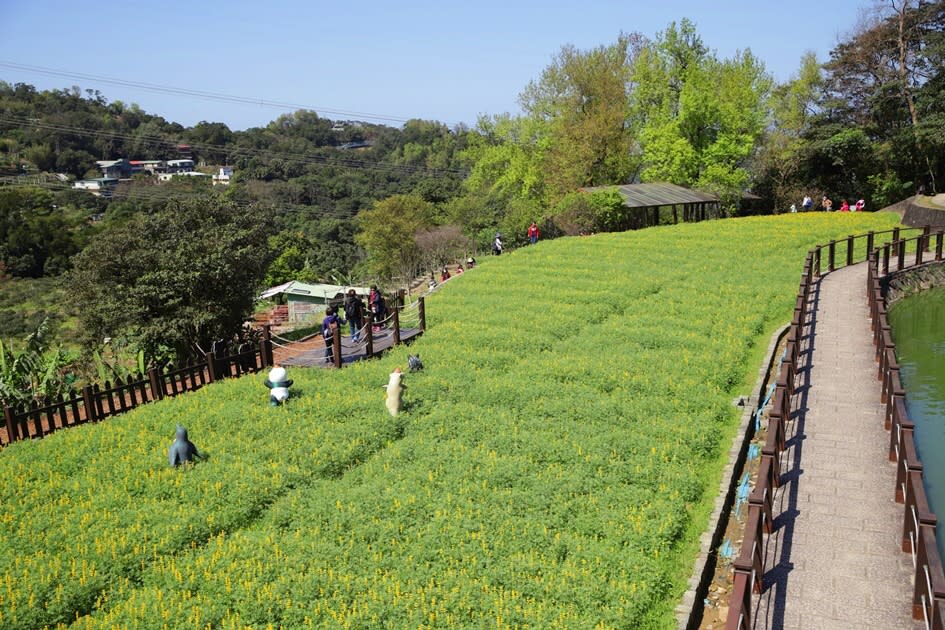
x=213 y=96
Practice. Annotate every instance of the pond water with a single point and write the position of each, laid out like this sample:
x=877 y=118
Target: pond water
x=918 y=327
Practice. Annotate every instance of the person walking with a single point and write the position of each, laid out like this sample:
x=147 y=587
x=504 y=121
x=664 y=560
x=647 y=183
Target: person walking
x=807 y=203
x=379 y=306
x=329 y=325
x=533 y=233
x=354 y=311
x=844 y=206
x=827 y=204
x=497 y=245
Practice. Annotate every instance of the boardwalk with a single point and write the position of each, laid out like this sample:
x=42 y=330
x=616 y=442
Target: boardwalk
x=834 y=557
x=312 y=353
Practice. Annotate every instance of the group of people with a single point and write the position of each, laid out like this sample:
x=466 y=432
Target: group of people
x=446 y=275
x=533 y=233
x=356 y=316
x=826 y=204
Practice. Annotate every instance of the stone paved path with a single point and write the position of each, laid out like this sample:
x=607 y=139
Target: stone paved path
x=834 y=560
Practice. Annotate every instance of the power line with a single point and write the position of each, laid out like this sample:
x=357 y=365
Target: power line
x=213 y=96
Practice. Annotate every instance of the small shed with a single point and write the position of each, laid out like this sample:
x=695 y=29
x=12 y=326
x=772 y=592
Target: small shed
x=307 y=300
x=646 y=200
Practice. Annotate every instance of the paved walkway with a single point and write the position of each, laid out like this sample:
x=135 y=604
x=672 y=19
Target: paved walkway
x=834 y=556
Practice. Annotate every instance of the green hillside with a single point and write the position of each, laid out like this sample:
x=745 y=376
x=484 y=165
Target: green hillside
x=554 y=468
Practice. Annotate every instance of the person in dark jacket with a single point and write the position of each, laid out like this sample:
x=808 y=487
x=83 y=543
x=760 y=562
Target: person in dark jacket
x=379 y=306
x=354 y=311
x=329 y=325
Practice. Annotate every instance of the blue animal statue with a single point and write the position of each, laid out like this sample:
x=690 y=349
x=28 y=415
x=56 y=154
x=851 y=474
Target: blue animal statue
x=278 y=386
x=414 y=363
x=182 y=450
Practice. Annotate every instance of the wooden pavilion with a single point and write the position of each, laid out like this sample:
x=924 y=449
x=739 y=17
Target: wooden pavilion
x=645 y=202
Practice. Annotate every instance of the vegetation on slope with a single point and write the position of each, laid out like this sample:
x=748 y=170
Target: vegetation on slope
x=554 y=467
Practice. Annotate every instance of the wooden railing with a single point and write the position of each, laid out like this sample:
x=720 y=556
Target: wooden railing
x=97 y=402
x=919 y=522
x=749 y=565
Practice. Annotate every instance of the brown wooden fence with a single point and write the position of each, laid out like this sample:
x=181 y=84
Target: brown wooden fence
x=918 y=530
x=919 y=523
x=97 y=402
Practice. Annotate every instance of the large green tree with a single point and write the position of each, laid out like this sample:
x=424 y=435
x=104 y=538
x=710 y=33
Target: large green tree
x=173 y=282
x=388 y=231
x=699 y=119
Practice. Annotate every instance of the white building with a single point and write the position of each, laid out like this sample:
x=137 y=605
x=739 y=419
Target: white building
x=180 y=166
x=100 y=187
x=224 y=176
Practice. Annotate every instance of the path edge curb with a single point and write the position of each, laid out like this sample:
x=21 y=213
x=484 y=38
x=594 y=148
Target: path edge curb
x=689 y=610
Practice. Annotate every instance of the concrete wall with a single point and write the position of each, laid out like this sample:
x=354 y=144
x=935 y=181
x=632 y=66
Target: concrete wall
x=918 y=216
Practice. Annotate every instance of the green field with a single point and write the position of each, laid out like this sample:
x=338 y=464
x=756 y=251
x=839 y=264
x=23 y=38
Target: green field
x=554 y=468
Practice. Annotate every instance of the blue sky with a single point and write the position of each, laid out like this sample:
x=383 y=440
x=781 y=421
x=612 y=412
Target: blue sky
x=446 y=61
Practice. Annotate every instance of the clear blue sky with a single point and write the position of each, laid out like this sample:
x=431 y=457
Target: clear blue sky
x=439 y=60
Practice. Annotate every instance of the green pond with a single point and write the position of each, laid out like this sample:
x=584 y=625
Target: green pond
x=918 y=327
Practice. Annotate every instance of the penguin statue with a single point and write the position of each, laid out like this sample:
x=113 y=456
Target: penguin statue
x=278 y=386
x=182 y=450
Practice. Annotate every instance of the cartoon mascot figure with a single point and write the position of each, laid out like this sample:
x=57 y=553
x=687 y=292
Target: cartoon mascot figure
x=278 y=386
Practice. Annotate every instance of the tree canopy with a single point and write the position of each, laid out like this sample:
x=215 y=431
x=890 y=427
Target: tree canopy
x=173 y=282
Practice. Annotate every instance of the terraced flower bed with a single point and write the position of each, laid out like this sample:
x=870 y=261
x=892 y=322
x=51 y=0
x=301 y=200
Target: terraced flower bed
x=554 y=466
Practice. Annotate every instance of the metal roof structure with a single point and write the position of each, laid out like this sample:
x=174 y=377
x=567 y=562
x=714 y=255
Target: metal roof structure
x=323 y=291
x=655 y=195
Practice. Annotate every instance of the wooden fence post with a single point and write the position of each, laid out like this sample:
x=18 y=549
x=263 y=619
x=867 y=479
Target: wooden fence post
x=157 y=383
x=817 y=262
x=88 y=401
x=265 y=346
x=421 y=310
x=895 y=236
x=886 y=259
x=396 y=326
x=901 y=261
x=369 y=349
x=336 y=346
x=831 y=255
x=869 y=243
x=11 y=427
x=938 y=244
x=849 y=250
x=211 y=359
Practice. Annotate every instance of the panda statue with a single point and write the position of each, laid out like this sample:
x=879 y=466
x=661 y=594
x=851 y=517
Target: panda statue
x=278 y=385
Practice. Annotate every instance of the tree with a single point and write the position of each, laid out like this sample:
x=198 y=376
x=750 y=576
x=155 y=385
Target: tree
x=699 y=119
x=387 y=233
x=36 y=373
x=441 y=245
x=583 y=95
x=173 y=282
x=793 y=106
x=886 y=79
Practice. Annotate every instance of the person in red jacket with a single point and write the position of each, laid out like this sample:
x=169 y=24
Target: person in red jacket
x=533 y=233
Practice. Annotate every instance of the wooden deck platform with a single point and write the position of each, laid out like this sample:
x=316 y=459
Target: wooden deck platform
x=312 y=354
